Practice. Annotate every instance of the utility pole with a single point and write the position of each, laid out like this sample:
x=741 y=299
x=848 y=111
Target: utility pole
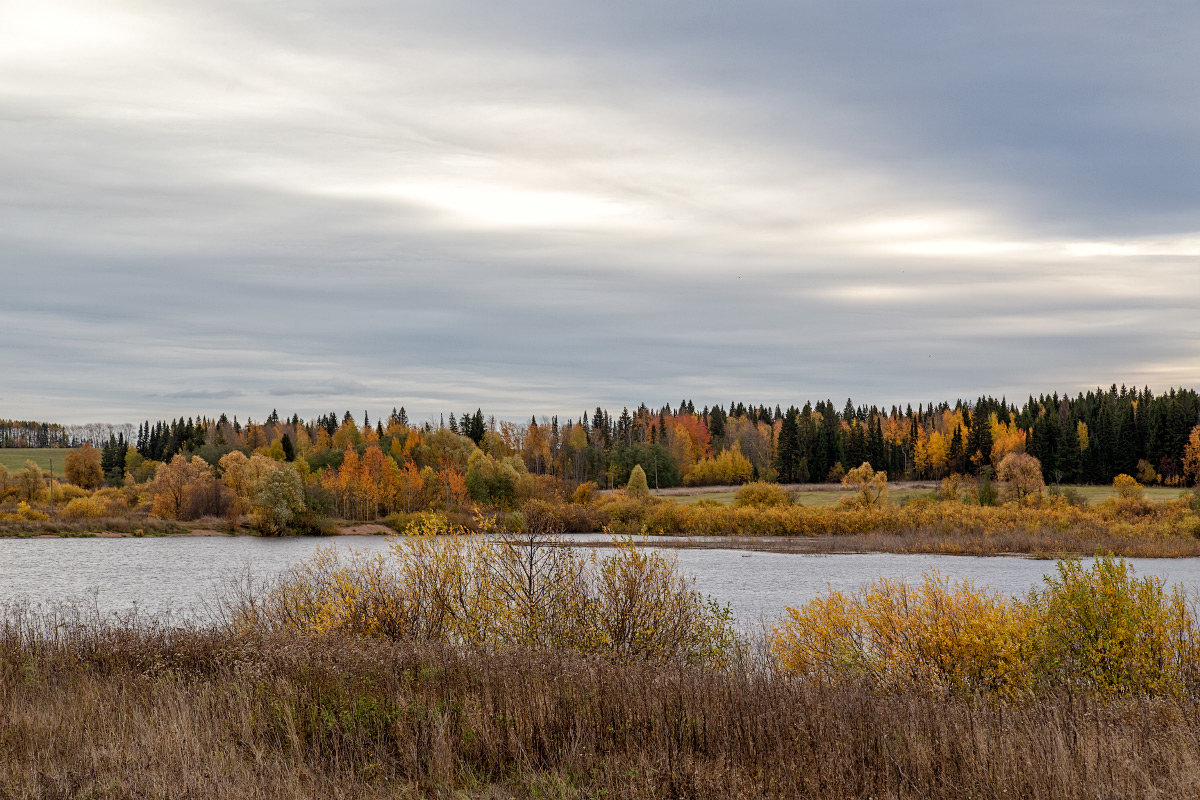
x=52 y=487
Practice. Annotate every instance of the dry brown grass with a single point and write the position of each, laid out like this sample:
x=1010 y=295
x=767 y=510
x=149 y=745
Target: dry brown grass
x=132 y=525
x=1046 y=526
x=119 y=711
x=1037 y=543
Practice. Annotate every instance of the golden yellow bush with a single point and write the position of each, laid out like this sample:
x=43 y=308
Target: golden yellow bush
x=1127 y=487
x=1105 y=630
x=502 y=590
x=86 y=508
x=728 y=467
x=761 y=494
x=1097 y=629
x=28 y=512
x=870 y=486
x=584 y=492
x=935 y=636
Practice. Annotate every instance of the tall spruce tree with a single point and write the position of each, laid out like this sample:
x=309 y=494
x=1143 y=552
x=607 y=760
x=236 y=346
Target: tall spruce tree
x=787 y=454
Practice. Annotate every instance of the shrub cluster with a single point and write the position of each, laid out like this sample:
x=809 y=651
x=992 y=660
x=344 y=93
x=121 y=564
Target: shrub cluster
x=761 y=494
x=1099 y=630
x=501 y=590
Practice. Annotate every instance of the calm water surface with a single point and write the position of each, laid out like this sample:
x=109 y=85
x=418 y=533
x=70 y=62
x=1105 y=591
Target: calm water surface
x=176 y=575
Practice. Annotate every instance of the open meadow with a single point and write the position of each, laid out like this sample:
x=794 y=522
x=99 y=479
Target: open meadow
x=14 y=458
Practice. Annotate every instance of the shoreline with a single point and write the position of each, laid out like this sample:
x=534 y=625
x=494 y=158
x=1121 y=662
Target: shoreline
x=1029 y=545
x=358 y=529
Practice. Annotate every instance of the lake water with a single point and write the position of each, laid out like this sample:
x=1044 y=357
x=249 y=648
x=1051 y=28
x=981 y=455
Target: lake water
x=176 y=575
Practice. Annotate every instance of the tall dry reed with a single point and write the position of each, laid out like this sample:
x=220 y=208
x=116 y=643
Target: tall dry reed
x=135 y=711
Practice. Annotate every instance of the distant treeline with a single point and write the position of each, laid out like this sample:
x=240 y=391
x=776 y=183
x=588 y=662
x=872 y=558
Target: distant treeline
x=28 y=433
x=1089 y=438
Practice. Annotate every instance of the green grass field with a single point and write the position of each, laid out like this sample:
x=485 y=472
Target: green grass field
x=831 y=496
x=1155 y=494
x=14 y=457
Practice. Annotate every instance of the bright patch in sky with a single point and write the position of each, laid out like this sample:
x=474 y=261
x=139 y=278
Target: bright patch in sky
x=502 y=206
x=62 y=32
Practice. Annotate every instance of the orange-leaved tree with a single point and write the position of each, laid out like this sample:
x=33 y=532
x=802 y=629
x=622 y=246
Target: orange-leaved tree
x=176 y=482
x=1021 y=476
x=83 y=467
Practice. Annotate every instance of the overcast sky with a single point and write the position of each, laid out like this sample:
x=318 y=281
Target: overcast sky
x=538 y=206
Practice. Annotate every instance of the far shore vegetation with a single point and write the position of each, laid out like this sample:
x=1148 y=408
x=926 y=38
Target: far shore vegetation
x=1108 y=471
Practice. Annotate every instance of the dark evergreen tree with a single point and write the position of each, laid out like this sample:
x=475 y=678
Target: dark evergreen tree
x=955 y=456
x=716 y=424
x=787 y=453
x=478 y=427
x=876 y=449
x=979 y=446
x=856 y=445
x=1068 y=458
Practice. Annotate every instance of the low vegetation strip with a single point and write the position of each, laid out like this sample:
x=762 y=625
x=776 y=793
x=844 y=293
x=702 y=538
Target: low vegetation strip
x=1099 y=630
x=134 y=711
x=1042 y=525
x=571 y=678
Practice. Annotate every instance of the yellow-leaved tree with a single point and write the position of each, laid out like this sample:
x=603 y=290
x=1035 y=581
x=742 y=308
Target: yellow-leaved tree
x=1191 y=455
x=730 y=467
x=1021 y=476
x=637 y=486
x=30 y=482
x=869 y=484
x=1127 y=487
x=270 y=490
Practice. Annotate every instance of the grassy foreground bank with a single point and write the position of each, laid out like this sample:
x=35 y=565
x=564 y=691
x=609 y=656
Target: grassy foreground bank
x=453 y=669
x=133 y=712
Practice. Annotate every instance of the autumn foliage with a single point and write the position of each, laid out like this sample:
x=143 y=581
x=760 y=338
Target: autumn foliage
x=506 y=591
x=935 y=636
x=82 y=467
x=1100 y=630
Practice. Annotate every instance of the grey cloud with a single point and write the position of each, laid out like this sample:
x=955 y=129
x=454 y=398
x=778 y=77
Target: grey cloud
x=381 y=205
x=202 y=395
x=319 y=389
